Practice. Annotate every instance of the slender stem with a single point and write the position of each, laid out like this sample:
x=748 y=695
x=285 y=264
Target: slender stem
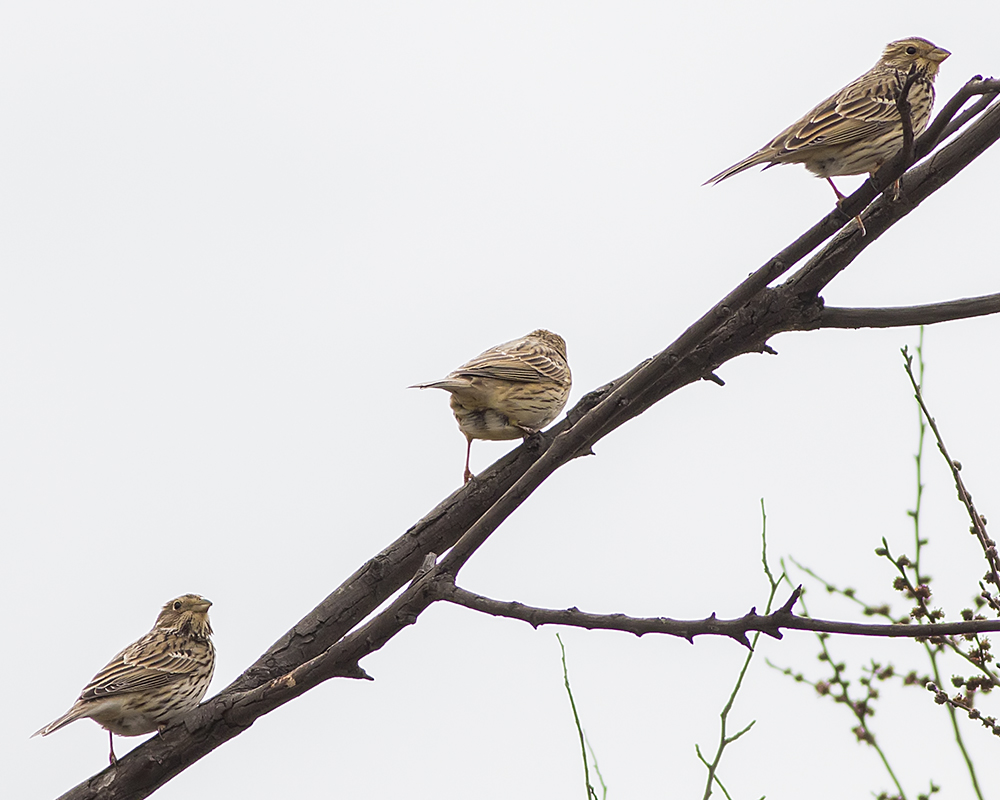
x=597 y=768
x=978 y=521
x=869 y=737
x=724 y=716
x=954 y=725
x=931 y=650
x=591 y=794
x=915 y=514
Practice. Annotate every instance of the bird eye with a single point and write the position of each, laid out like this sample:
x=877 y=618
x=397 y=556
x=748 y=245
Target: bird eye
x=177 y=605
x=911 y=50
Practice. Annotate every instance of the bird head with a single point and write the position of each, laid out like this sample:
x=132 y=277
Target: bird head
x=914 y=54
x=553 y=340
x=187 y=614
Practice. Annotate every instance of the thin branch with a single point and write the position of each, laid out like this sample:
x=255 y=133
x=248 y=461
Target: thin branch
x=921 y=577
x=978 y=520
x=972 y=111
x=918 y=184
x=905 y=316
x=906 y=118
x=935 y=133
x=861 y=709
x=737 y=629
x=946 y=122
x=883 y=611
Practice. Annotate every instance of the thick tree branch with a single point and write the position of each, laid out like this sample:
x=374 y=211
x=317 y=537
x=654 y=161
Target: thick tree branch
x=320 y=646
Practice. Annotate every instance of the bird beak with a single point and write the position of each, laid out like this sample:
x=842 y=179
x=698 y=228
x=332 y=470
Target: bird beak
x=938 y=54
x=204 y=605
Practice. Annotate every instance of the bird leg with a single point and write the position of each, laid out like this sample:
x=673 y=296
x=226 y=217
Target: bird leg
x=468 y=454
x=111 y=750
x=841 y=199
x=836 y=191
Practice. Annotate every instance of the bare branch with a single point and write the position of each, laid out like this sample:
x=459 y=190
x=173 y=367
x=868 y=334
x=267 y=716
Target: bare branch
x=904 y=316
x=770 y=624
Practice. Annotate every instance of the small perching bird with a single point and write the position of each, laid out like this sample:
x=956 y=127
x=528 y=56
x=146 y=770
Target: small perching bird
x=154 y=680
x=859 y=128
x=511 y=391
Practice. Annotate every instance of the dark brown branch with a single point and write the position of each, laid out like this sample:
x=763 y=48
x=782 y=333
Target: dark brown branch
x=320 y=646
x=972 y=111
x=917 y=185
x=770 y=624
x=939 y=128
x=903 y=316
x=946 y=122
x=906 y=118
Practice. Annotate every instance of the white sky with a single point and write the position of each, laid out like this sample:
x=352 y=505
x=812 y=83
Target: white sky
x=234 y=232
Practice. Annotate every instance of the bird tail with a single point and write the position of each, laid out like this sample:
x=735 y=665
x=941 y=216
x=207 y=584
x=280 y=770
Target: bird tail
x=760 y=157
x=70 y=716
x=448 y=384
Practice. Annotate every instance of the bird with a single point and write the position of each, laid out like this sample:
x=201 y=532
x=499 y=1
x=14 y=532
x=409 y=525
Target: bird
x=859 y=128
x=510 y=391
x=154 y=680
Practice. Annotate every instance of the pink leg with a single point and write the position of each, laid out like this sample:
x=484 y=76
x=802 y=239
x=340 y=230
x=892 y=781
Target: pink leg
x=836 y=191
x=840 y=199
x=468 y=455
x=111 y=748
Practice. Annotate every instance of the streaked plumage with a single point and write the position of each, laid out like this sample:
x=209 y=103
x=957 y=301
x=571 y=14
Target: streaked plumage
x=510 y=391
x=154 y=680
x=857 y=129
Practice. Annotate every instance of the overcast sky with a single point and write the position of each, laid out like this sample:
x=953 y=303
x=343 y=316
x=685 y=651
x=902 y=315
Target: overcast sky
x=233 y=233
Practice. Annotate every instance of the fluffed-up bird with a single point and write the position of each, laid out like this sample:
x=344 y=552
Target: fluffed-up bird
x=154 y=680
x=859 y=128
x=511 y=391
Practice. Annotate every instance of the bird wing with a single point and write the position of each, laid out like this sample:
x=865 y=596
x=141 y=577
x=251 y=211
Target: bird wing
x=149 y=663
x=524 y=360
x=854 y=113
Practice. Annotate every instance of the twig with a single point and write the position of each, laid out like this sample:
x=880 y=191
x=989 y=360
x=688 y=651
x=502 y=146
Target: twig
x=860 y=708
x=919 y=542
x=978 y=521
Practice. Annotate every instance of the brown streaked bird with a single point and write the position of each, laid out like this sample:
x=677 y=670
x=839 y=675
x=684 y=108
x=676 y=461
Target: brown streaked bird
x=511 y=391
x=859 y=128
x=154 y=680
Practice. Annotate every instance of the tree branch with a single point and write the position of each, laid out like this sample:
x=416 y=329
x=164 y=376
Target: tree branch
x=320 y=645
x=770 y=624
x=905 y=316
